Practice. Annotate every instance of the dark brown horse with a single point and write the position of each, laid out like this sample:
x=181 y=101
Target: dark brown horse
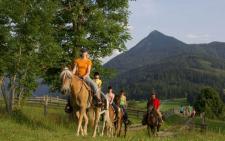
x=121 y=119
x=152 y=120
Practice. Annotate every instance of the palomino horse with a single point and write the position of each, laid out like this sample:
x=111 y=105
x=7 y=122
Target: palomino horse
x=114 y=127
x=152 y=120
x=95 y=112
x=80 y=97
x=108 y=120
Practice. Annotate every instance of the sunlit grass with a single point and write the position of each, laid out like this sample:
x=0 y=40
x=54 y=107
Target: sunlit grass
x=30 y=124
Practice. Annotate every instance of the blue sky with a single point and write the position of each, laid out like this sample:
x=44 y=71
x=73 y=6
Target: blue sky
x=191 y=21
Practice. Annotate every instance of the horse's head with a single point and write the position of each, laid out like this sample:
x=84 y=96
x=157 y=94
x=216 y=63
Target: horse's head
x=66 y=78
x=150 y=108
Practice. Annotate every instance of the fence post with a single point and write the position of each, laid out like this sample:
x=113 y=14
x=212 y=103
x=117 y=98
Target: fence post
x=45 y=105
x=203 y=122
x=137 y=113
x=57 y=100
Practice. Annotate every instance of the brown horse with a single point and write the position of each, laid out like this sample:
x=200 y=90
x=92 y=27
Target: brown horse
x=121 y=119
x=152 y=120
x=80 y=97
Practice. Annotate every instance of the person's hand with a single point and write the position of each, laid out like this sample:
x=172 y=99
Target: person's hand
x=84 y=77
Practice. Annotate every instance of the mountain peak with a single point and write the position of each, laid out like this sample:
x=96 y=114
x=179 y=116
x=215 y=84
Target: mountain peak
x=157 y=37
x=156 y=33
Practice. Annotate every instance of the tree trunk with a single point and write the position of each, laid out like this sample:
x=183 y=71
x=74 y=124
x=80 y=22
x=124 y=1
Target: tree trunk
x=45 y=100
x=4 y=93
x=19 y=98
x=11 y=94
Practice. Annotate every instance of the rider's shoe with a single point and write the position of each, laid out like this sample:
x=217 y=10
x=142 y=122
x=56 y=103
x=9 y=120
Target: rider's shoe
x=68 y=108
x=98 y=101
x=128 y=122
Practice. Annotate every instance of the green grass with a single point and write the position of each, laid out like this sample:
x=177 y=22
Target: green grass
x=213 y=125
x=165 y=104
x=30 y=124
x=173 y=104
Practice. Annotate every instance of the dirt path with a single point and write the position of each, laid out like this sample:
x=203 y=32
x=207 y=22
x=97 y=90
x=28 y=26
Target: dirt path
x=169 y=132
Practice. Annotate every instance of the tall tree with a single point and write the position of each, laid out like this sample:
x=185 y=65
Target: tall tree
x=99 y=25
x=210 y=103
x=28 y=48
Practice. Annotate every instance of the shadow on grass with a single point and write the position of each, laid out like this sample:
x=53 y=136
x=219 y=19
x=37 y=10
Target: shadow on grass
x=20 y=118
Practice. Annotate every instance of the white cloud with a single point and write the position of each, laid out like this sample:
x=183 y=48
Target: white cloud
x=197 y=36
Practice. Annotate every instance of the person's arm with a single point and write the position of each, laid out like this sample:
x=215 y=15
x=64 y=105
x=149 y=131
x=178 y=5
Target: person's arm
x=158 y=104
x=75 y=68
x=126 y=102
x=112 y=98
x=100 y=83
x=88 y=72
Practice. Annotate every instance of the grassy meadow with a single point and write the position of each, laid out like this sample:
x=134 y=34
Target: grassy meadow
x=29 y=124
x=165 y=104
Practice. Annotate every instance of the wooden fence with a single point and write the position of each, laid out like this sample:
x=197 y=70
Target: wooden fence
x=56 y=102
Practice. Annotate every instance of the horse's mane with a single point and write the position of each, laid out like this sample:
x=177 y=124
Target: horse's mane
x=66 y=73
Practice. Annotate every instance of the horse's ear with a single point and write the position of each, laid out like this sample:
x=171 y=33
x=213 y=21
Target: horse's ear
x=70 y=67
x=63 y=67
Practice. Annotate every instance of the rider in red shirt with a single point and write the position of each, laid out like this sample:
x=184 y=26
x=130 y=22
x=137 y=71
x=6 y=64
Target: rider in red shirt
x=155 y=102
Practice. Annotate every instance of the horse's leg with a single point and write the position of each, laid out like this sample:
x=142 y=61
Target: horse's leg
x=119 y=126
x=97 y=116
x=78 y=116
x=91 y=115
x=112 y=132
x=104 y=123
x=148 y=129
x=125 y=129
x=154 y=131
x=103 y=128
x=86 y=123
x=80 y=119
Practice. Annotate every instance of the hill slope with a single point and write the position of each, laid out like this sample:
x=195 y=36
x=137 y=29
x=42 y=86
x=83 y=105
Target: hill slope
x=172 y=67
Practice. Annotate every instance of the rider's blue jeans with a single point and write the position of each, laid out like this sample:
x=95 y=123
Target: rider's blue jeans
x=92 y=84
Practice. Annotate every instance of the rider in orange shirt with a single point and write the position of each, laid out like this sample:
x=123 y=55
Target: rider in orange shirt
x=82 y=68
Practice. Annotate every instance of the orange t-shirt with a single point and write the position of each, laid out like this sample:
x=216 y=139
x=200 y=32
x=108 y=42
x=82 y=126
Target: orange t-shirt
x=82 y=66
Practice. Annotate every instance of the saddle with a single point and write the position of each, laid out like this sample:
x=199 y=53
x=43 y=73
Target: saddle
x=92 y=99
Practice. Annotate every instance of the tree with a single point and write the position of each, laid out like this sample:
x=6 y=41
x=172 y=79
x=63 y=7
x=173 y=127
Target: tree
x=28 y=48
x=38 y=37
x=99 y=25
x=209 y=102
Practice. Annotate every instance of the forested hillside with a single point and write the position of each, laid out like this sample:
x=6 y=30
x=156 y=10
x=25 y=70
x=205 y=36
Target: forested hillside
x=173 y=68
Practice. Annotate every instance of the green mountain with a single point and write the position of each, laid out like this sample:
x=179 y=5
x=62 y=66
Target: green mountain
x=175 y=69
